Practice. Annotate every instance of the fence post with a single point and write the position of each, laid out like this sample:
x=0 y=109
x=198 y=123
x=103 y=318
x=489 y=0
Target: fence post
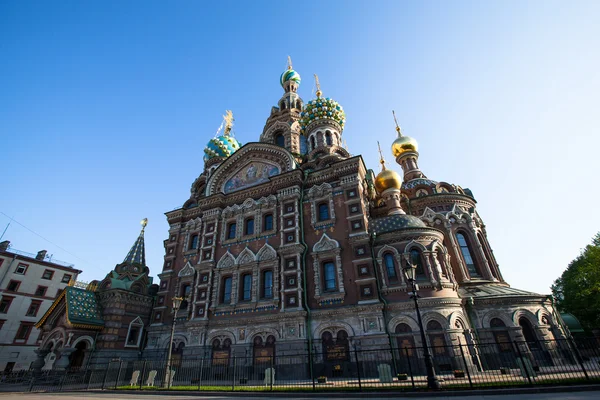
x=143 y=373
x=272 y=373
x=32 y=381
x=201 y=370
x=357 y=369
x=233 y=379
x=412 y=378
x=524 y=366
x=105 y=376
x=90 y=379
x=462 y=354
x=118 y=374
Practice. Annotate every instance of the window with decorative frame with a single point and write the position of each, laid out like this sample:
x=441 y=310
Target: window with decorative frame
x=323 y=210
x=329 y=281
x=226 y=294
x=267 y=284
x=21 y=269
x=417 y=260
x=246 y=294
x=194 y=242
x=48 y=274
x=249 y=226
x=231 y=230
x=390 y=267
x=465 y=250
x=268 y=222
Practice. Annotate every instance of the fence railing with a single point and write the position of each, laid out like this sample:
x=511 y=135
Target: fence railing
x=338 y=367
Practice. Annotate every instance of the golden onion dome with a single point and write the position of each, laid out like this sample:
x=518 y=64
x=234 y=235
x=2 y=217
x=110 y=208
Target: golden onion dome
x=404 y=144
x=387 y=179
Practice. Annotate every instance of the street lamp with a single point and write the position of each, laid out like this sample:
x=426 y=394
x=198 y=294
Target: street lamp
x=176 y=304
x=410 y=272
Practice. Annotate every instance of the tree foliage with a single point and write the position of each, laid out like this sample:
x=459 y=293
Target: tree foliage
x=577 y=291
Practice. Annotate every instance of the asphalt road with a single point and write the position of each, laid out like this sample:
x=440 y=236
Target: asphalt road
x=585 y=395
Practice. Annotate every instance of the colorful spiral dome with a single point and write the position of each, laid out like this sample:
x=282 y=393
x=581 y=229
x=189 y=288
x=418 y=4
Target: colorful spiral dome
x=221 y=146
x=290 y=75
x=322 y=108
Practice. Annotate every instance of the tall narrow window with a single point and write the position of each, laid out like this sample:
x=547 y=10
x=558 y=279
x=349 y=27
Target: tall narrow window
x=415 y=259
x=247 y=288
x=249 y=228
x=280 y=140
x=268 y=222
x=231 y=228
x=323 y=212
x=328 y=138
x=227 y=290
x=329 y=276
x=312 y=143
x=390 y=266
x=466 y=253
x=194 y=242
x=268 y=284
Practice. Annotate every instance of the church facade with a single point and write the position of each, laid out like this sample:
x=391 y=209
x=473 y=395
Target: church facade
x=291 y=245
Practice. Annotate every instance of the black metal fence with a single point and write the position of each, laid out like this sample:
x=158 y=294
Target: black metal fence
x=341 y=368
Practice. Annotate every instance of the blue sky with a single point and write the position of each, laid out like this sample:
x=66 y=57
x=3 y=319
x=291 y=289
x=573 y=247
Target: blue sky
x=106 y=106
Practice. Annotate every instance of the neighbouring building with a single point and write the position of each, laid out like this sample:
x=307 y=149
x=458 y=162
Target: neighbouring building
x=29 y=283
x=102 y=320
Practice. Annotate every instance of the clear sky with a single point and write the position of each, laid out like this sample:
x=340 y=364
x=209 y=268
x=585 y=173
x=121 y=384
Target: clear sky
x=106 y=106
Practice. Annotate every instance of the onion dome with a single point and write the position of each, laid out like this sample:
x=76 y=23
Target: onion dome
x=387 y=178
x=321 y=109
x=404 y=144
x=290 y=75
x=221 y=146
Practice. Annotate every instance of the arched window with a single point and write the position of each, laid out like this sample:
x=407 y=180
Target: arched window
x=231 y=230
x=312 y=143
x=226 y=298
x=403 y=329
x=436 y=338
x=329 y=283
x=280 y=140
x=406 y=342
x=415 y=259
x=249 y=227
x=264 y=353
x=390 y=266
x=194 y=242
x=466 y=253
x=328 y=141
x=134 y=335
x=247 y=287
x=323 y=212
x=528 y=333
x=441 y=260
x=501 y=335
x=267 y=285
x=488 y=255
x=268 y=222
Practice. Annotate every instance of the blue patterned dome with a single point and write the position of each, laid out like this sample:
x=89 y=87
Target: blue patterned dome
x=290 y=75
x=221 y=146
x=319 y=109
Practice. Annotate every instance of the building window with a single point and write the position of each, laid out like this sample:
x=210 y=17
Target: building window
x=13 y=286
x=24 y=331
x=290 y=263
x=280 y=140
x=226 y=298
x=66 y=278
x=356 y=225
x=21 y=269
x=329 y=276
x=194 y=242
x=33 y=309
x=415 y=259
x=268 y=222
x=328 y=138
x=351 y=193
x=363 y=270
x=247 y=287
x=161 y=300
x=390 y=267
x=466 y=253
x=323 y=212
x=41 y=291
x=231 y=228
x=249 y=227
x=268 y=284
x=157 y=316
x=5 y=304
x=134 y=335
x=48 y=274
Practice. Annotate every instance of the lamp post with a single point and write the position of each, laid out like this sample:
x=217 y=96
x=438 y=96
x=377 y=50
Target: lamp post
x=176 y=304
x=410 y=274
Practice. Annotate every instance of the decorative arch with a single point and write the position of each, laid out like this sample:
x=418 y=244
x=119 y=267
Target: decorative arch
x=226 y=261
x=387 y=249
x=457 y=317
x=504 y=317
x=413 y=244
x=264 y=333
x=266 y=253
x=520 y=313
x=242 y=159
x=55 y=336
x=435 y=316
x=221 y=334
x=86 y=338
x=333 y=327
x=186 y=271
x=325 y=244
x=278 y=127
x=246 y=257
x=403 y=319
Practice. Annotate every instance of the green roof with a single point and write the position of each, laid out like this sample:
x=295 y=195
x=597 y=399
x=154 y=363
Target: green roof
x=82 y=308
x=572 y=323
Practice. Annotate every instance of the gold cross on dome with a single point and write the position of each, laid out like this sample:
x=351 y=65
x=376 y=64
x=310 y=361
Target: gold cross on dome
x=318 y=85
x=398 y=129
x=381 y=159
x=228 y=119
x=289 y=62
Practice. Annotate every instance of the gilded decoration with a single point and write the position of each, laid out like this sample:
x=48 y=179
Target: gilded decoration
x=255 y=173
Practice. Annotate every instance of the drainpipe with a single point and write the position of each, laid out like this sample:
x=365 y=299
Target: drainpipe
x=382 y=299
x=303 y=265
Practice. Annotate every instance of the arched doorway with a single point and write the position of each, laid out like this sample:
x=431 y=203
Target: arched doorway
x=264 y=351
x=177 y=354
x=439 y=350
x=77 y=357
x=407 y=357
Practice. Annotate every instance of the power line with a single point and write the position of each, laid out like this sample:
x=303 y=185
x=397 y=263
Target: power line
x=47 y=240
